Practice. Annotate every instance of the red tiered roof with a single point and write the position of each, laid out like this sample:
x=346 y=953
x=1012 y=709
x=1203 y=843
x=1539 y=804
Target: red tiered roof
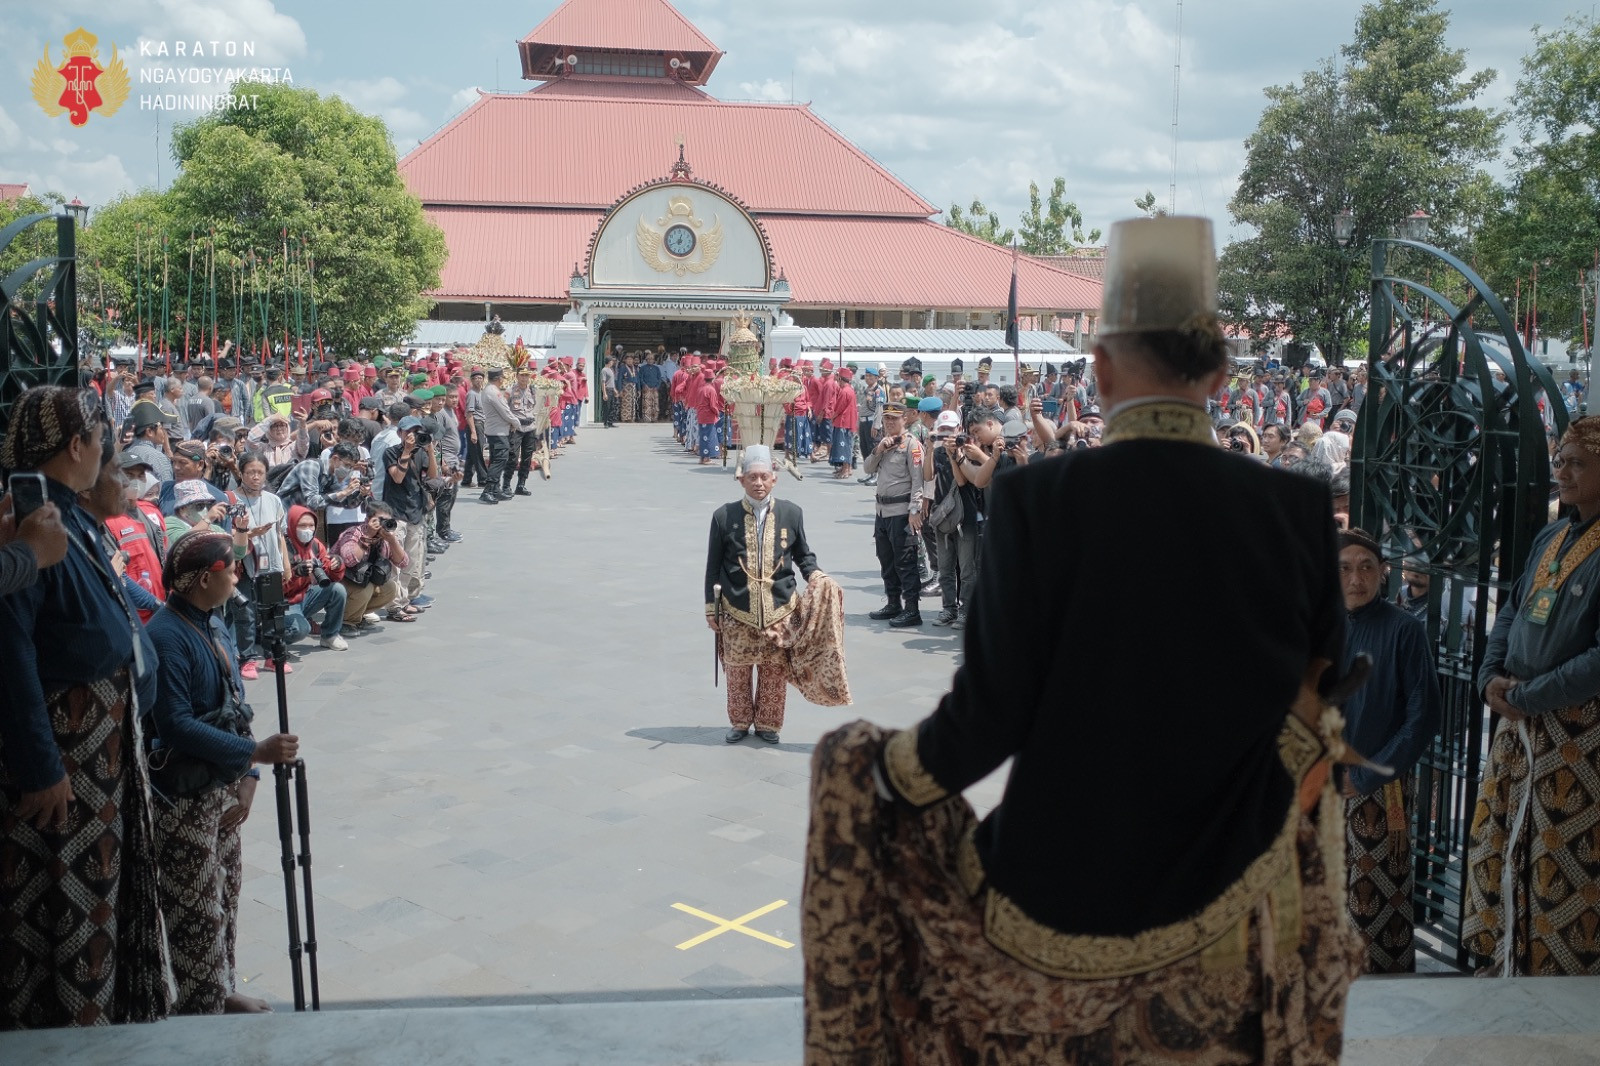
x=554 y=148
x=649 y=26
x=829 y=261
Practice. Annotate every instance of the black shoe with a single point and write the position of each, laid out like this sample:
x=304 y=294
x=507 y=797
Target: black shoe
x=906 y=619
x=735 y=735
x=887 y=611
x=452 y=537
x=488 y=497
x=522 y=491
x=946 y=617
x=504 y=495
x=768 y=735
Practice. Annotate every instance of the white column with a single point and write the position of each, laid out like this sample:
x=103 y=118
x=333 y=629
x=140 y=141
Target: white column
x=572 y=338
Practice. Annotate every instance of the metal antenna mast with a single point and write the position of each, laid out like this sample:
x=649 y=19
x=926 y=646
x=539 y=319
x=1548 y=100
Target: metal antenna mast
x=1177 y=67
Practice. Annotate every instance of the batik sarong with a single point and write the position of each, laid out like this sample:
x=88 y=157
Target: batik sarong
x=81 y=939
x=710 y=441
x=630 y=400
x=1381 y=876
x=200 y=882
x=821 y=435
x=1533 y=867
x=650 y=404
x=801 y=448
x=843 y=448
x=899 y=971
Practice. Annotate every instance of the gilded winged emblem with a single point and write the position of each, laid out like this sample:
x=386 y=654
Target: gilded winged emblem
x=675 y=244
x=80 y=84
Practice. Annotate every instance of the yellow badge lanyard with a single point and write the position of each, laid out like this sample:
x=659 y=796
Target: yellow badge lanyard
x=1553 y=571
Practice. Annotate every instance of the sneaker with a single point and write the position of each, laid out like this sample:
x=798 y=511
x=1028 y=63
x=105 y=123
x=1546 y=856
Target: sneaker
x=248 y=671
x=945 y=618
x=372 y=618
x=437 y=546
x=422 y=603
x=272 y=667
x=452 y=537
x=960 y=622
x=334 y=643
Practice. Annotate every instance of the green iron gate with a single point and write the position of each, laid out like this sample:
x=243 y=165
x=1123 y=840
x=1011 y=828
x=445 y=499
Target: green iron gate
x=38 y=344
x=1451 y=471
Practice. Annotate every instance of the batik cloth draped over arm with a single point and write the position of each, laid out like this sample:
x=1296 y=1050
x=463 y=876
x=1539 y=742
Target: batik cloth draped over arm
x=1558 y=663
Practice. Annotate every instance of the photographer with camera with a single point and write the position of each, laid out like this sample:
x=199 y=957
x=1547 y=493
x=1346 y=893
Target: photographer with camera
x=311 y=585
x=406 y=466
x=266 y=525
x=200 y=749
x=372 y=556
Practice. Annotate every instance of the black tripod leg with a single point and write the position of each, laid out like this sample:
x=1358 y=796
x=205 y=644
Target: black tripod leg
x=302 y=803
x=291 y=908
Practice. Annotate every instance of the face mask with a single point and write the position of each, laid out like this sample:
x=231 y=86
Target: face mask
x=305 y=535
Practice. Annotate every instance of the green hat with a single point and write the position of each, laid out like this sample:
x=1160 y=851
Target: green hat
x=439 y=390
x=423 y=395
x=928 y=379
x=852 y=366
x=416 y=379
x=380 y=363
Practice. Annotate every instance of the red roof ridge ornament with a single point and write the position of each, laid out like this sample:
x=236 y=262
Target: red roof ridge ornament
x=681 y=170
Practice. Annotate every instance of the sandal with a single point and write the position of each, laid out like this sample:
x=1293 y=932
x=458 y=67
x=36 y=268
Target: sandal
x=401 y=616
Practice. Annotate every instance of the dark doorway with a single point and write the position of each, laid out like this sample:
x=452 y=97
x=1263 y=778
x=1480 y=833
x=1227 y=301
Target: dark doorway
x=644 y=334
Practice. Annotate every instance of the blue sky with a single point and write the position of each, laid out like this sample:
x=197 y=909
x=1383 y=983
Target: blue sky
x=959 y=99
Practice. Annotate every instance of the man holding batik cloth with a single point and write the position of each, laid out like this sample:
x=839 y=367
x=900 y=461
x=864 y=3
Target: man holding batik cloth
x=1154 y=885
x=1393 y=718
x=1533 y=884
x=761 y=616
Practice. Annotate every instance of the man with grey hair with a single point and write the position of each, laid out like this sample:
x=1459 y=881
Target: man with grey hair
x=758 y=609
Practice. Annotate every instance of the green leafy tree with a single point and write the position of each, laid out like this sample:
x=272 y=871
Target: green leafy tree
x=1550 y=214
x=978 y=221
x=1147 y=205
x=302 y=165
x=1052 y=226
x=1395 y=130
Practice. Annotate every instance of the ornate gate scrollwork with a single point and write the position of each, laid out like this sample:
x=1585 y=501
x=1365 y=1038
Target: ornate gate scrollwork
x=1451 y=471
x=41 y=348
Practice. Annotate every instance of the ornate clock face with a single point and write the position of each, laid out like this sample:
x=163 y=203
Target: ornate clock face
x=680 y=241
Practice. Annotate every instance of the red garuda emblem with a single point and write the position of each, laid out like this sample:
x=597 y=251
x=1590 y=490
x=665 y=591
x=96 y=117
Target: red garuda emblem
x=80 y=84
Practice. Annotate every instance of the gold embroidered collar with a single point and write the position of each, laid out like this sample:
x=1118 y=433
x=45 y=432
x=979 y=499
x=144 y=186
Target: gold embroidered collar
x=1170 y=420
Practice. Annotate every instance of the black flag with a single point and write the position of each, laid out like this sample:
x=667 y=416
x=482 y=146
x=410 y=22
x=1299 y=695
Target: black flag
x=1011 y=305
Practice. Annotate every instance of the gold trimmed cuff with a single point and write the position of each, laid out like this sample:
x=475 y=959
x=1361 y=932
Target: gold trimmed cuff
x=907 y=775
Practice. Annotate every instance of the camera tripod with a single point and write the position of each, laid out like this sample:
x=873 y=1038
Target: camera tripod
x=270 y=611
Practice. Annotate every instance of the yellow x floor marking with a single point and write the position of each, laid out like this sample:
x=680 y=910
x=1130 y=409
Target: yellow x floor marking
x=737 y=925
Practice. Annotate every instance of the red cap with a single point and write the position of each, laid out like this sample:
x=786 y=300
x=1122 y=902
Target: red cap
x=320 y=395
x=335 y=372
x=370 y=372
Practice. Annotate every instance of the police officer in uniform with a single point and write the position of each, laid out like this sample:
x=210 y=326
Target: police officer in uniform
x=897 y=464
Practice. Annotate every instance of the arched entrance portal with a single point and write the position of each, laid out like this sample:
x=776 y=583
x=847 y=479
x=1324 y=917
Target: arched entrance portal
x=670 y=266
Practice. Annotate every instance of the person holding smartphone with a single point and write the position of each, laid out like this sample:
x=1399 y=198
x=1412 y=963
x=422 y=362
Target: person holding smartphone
x=28 y=546
x=83 y=945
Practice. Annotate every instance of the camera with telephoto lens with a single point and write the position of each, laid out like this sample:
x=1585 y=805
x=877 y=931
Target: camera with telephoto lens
x=313 y=569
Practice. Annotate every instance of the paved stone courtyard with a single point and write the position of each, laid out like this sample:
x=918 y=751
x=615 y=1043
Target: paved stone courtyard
x=510 y=796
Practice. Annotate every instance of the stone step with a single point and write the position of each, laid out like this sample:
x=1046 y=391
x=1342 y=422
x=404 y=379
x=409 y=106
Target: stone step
x=1393 y=1021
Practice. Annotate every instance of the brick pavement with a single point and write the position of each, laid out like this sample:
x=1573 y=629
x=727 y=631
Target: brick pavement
x=509 y=795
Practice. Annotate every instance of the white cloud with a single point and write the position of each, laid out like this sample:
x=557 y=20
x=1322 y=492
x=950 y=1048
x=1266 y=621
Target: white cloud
x=94 y=181
x=462 y=99
x=771 y=89
x=10 y=132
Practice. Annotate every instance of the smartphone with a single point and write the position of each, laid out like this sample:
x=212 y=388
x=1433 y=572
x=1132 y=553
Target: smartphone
x=27 y=494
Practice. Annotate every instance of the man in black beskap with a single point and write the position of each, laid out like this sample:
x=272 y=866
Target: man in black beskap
x=406 y=466
x=1157 y=852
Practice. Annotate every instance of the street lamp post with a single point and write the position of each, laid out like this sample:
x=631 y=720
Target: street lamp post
x=1344 y=227
x=78 y=211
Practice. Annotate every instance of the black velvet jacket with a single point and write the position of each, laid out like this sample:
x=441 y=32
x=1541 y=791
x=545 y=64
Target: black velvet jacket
x=1108 y=657
x=757 y=579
